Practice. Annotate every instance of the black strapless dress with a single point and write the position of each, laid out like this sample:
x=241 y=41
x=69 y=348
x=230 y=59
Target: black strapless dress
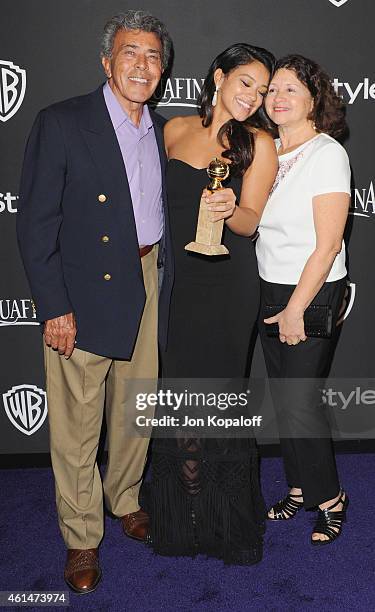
x=205 y=493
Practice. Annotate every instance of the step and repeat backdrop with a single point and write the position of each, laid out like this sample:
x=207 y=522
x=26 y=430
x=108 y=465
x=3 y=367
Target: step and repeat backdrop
x=49 y=50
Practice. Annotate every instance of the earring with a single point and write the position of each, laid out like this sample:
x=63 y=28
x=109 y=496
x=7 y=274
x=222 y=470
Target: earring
x=314 y=127
x=214 y=97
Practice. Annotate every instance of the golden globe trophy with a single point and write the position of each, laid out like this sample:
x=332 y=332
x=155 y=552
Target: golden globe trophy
x=208 y=235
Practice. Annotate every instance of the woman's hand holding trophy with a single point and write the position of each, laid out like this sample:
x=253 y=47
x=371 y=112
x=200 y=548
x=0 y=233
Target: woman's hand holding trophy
x=217 y=204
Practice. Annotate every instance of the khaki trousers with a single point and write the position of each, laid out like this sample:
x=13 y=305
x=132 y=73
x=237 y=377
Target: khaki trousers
x=78 y=389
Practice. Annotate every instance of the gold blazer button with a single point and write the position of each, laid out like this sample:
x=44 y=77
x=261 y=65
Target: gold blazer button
x=102 y=198
x=107 y=277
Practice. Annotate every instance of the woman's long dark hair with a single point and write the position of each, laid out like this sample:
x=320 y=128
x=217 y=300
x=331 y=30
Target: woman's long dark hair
x=237 y=133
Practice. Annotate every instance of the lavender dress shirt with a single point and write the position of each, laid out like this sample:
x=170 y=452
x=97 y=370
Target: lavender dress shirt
x=140 y=153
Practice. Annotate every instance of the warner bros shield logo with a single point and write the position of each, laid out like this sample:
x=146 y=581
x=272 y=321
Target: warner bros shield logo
x=338 y=3
x=12 y=89
x=26 y=408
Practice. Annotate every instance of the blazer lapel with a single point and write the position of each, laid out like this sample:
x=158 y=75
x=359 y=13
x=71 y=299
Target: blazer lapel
x=100 y=137
x=160 y=142
x=163 y=163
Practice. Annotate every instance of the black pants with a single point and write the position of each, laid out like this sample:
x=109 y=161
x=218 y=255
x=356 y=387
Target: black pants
x=309 y=461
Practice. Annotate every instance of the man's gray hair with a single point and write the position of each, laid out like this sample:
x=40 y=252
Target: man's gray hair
x=136 y=20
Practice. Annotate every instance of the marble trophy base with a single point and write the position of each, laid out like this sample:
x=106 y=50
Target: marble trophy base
x=207 y=249
x=208 y=237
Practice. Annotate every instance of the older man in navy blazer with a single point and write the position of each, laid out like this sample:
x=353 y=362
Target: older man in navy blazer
x=92 y=227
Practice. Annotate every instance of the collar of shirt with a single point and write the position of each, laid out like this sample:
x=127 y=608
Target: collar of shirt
x=119 y=117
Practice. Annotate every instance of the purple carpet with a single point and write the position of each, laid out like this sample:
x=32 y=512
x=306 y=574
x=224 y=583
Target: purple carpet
x=293 y=575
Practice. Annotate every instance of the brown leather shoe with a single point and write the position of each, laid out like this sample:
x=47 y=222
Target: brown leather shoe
x=82 y=572
x=136 y=525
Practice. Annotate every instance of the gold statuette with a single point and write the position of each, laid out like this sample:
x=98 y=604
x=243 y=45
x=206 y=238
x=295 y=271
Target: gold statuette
x=208 y=235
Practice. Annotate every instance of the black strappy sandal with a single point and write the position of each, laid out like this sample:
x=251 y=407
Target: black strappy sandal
x=330 y=523
x=286 y=508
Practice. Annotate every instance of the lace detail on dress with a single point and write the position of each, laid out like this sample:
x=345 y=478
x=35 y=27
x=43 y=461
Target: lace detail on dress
x=205 y=498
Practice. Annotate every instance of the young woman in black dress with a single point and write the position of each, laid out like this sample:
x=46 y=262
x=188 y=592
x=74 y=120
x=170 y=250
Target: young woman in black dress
x=205 y=492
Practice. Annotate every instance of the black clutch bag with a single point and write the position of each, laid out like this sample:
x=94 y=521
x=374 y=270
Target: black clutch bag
x=317 y=319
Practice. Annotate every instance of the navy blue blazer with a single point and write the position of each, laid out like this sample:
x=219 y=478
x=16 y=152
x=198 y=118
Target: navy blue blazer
x=72 y=160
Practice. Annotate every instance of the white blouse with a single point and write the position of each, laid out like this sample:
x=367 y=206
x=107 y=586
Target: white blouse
x=286 y=233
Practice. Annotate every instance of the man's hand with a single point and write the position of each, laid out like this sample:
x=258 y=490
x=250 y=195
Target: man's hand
x=60 y=333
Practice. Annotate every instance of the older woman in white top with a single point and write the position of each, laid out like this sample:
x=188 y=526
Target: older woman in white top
x=301 y=258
